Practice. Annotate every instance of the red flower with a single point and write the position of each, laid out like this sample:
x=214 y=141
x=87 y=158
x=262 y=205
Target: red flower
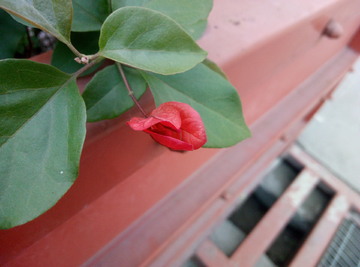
x=173 y=124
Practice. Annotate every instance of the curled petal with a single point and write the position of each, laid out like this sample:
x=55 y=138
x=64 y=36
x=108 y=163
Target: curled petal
x=141 y=124
x=171 y=142
x=173 y=124
x=192 y=126
x=166 y=115
x=169 y=115
x=164 y=130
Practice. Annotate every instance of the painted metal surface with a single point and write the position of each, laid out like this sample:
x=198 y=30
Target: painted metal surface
x=221 y=177
x=211 y=256
x=267 y=49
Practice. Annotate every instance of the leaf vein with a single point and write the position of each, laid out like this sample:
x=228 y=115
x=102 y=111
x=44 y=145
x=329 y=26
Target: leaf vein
x=30 y=118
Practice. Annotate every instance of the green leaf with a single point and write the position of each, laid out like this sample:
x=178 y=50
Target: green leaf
x=216 y=100
x=23 y=22
x=107 y=98
x=89 y=15
x=190 y=14
x=63 y=58
x=197 y=29
x=52 y=16
x=42 y=118
x=148 y=40
x=11 y=33
x=212 y=65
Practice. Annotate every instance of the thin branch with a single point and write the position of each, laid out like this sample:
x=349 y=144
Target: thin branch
x=30 y=41
x=88 y=66
x=131 y=93
x=74 y=50
x=94 y=57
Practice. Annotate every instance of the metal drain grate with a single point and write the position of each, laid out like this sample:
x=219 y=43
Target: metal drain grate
x=344 y=249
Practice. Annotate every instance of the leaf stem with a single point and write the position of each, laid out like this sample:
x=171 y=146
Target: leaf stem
x=74 y=50
x=88 y=66
x=110 y=6
x=131 y=93
x=94 y=57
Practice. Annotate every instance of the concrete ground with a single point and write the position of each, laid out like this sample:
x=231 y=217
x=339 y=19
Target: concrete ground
x=333 y=135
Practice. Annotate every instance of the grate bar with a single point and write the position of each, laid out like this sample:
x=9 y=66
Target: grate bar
x=349 y=250
x=321 y=236
x=211 y=256
x=343 y=250
x=275 y=219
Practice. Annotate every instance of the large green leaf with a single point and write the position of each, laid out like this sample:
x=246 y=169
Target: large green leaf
x=21 y=21
x=89 y=15
x=11 y=33
x=208 y=93
x=197 y=29
x=107 y=98
x=52 y=16
x=190 y=14
x=42 y=118
x=63 y=58
x=148 y=40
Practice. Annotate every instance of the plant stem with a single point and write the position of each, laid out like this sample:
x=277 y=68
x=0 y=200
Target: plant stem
x=74 y=50
x=131 y=93
x=110 y=7
x=30 y=41
x=94 y=57
x=88 y=66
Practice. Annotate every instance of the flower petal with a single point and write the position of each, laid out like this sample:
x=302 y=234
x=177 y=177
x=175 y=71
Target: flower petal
x=193 y=133
x=141 y=124
x=165 y=114
x=169 y=115
x=164 y=130
x=192 y=126
x=173 y=124
x=171 y=142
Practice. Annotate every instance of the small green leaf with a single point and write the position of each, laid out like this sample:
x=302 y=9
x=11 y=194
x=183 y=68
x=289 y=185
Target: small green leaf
x=190 y=14
x=148 y=40
x=63 y=58
x=89 y=15
x=216 y=100
x=52 y=16
x=11 y=33
x=42 y=118
x=107 y=98
x=212 y=65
